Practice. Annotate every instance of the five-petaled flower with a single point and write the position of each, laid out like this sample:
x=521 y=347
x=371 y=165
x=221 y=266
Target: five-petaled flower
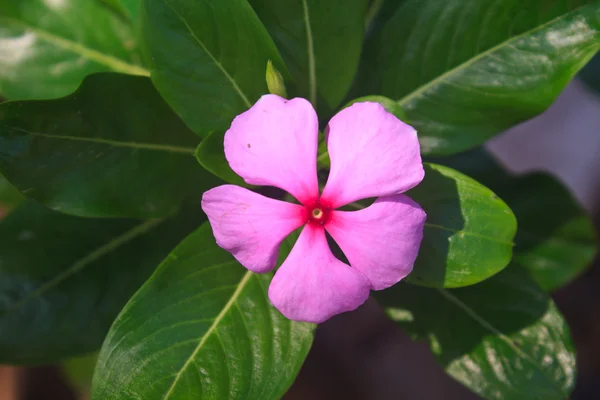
x=372 y=153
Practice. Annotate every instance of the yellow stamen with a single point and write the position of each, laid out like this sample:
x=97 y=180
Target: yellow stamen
x=317 y=213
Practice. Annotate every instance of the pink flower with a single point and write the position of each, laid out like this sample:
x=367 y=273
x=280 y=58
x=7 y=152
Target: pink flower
x=373 y=154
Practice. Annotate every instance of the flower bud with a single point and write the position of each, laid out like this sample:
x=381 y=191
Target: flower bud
x=275 y=81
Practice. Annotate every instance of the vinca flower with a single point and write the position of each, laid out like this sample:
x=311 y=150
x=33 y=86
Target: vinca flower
x=373 y=155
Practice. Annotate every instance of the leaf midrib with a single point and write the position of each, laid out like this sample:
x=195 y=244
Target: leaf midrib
x=112 y=62
x=464 y=65
x=82 y=263
x=488 y=326
x=310 y=50
x=230 y=303
x=210 y=55
x=114 y=143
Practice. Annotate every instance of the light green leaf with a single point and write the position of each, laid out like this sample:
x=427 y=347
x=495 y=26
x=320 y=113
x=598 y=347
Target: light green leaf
x=556 y=239
x=48 y=47
x=468 y=232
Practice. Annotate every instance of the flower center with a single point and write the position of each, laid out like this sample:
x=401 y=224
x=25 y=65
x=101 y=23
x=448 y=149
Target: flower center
x=317 y=213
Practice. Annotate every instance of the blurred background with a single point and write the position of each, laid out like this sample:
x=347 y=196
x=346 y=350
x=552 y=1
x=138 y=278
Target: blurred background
x=363 y=355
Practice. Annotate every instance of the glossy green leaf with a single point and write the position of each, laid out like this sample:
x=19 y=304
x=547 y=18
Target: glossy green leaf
x=208 y=58
x=64 y=279
x=320 y=42
x=113 y=148
x=48 y=47
x=465 y=71
x=591 y=73
x=202 y=327
x=468 y=233
x=503 y=338
x=556 y=240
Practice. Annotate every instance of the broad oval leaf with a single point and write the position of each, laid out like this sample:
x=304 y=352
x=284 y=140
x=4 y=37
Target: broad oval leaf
x=64 y=279
x=208 y=58
x=468 y=233
x=48 y=47
x=556 y=239
x=320 y=42
x=465 y=71
x=113 y=148
x=201 y=327
x=503 y=338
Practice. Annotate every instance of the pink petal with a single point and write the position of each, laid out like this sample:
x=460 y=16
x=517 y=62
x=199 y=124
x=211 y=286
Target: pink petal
x=250 y=226
x=274 y=143
x=381 y=241
x=312 y=285
x=372 y=154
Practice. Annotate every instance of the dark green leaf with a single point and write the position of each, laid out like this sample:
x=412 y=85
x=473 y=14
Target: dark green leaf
x=591 y=73
x=556 y=239
x=64 y=279
x=320 y=41
x=503 y=338
x=201 y=327
x=113 y=148
x=465 y=71
x=48 y=47
x=468 y=233
x=208 y=58
x=9 y=195
x=211 y=155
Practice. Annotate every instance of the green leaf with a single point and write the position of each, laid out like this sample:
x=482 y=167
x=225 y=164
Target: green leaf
x=113 y=148
x=556 y=239
x=468 y=233
x=9 y=195
x=591 y=73
x=465 y=71
x=208 y=58
x=64 y=279
x=503 y=338
x=201 y=327
x=79 y=372
x=48 y=47
x=211 y=155
x=128 y=9
x=320 y=42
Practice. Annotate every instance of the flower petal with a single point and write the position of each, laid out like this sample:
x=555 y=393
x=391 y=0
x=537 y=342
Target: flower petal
x=381 y=241
x=372 y=154
x=312 y=285
x=250 y=226
x=275 y=143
